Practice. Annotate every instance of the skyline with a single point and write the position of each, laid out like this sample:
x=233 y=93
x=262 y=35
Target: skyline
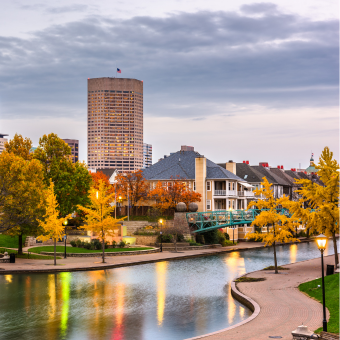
x=256 y=82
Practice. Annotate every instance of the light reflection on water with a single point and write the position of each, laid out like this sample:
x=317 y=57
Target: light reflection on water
x=164 y=300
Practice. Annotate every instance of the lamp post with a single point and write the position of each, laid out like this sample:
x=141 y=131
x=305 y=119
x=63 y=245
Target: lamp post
x=65 y=224
x=128 y=205
x=161 y=222
x=321 y=241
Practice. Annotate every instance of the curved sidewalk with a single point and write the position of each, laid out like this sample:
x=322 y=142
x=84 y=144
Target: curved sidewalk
x=282 y=306
x=94 y=263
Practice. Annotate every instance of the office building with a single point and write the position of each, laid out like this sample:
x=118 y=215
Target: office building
x=3 y=140
x=115 y=124
x=147 y=155
x=74 y=145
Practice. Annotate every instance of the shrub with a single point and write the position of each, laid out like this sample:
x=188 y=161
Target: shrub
x=221 y=238
x=121 y=244
x=193 y=243
x=211 y=237
x=98 y=246
x=302 y=234
x=113 y=244
x=106 y=245
x=73 y=243
x=228 y=243
x=226 y=235
x=87 y=245
x=78 y=243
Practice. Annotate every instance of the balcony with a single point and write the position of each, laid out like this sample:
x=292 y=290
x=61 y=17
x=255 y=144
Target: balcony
x=220 y=192
x=246 y=194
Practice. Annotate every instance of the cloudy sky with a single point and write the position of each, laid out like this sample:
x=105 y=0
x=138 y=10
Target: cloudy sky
x=238 y=80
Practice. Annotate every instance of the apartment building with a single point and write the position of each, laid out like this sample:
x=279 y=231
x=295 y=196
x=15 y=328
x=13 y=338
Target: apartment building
x=115 y=124
x=74 y=145
x=147 y=155
x=220 y=189
x=3 y=140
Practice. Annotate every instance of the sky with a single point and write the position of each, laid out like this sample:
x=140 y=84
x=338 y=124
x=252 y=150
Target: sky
x=238 y=80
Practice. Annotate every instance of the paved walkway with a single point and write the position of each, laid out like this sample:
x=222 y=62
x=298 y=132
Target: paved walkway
x=93 y=263
x=282 y=306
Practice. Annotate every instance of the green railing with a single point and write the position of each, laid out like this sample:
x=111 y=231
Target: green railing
x=205 y=221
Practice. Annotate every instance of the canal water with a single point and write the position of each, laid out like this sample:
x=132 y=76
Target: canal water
x=168 y=300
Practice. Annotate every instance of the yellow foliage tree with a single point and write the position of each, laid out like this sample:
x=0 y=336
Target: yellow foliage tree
x=279 y=226
x=322 y=213
x=98 y=215
x=52 y=224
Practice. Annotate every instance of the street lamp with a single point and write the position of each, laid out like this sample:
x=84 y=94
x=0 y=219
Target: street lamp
x=65 y=224
x=161 y=222
x=321 y=241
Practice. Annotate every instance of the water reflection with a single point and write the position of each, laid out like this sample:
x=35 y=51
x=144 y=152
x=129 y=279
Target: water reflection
x=166 y=300
x=161 y=268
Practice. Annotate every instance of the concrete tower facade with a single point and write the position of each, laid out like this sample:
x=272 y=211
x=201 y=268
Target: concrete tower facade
x=115 y=124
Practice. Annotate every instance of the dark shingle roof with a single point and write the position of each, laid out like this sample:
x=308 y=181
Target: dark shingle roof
x=247 y=173
x=107 y=172
x=271 y=177
x=182 y=164
x=285 y=177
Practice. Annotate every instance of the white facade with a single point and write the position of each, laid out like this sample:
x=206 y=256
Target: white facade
x=3 y=140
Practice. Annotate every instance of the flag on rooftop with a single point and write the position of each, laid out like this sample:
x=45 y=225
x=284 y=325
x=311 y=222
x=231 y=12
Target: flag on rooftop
x=119 y=70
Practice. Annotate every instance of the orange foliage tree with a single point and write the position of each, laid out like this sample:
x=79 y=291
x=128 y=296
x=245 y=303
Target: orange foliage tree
x=100 y=176
x=132 y=185
x=174 y=192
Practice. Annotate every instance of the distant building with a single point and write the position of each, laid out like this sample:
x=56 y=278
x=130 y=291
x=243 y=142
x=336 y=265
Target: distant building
x=3 y=140
x=311 y=170
x=115 y=124
x=147 y=155
x=74 y=145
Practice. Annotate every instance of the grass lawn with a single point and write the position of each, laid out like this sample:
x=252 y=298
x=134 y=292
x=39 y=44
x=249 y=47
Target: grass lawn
x=332 y=298
x=28 y=256
x=81 y=250
x=10 y=241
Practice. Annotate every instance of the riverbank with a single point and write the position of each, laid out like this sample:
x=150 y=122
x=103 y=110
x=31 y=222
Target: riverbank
x=279 y=307
x=72 y=264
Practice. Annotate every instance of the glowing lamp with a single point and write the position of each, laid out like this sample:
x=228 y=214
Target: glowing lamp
x=321 y=241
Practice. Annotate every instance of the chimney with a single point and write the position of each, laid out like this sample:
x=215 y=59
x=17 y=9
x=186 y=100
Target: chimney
x=244 y=162
x=200 y=180
x=247 y=162
x=265 y=164
x=187 y=148
x=231 y=166
x=279 y=167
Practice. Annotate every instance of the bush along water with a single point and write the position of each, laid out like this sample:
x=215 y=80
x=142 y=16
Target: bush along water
x=95 y=244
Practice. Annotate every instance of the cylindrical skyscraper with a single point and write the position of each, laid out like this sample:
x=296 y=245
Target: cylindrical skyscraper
x=115 y=124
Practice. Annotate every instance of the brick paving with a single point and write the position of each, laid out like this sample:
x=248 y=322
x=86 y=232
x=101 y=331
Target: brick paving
x=93 y=263
x=282 y=306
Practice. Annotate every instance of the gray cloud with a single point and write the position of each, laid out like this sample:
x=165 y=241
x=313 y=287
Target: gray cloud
x=192 y=64
x=67 y=9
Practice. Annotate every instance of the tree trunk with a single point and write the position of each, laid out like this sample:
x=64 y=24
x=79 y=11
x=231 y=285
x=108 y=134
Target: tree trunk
x=55 y=251
x=20 y=244
x=103 y=244
x=175 y=246
x=336 y=256
x=307 y=233
x=275 y=260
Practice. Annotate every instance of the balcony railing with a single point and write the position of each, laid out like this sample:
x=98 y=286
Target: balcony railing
x=220 y=193
x=246 y=194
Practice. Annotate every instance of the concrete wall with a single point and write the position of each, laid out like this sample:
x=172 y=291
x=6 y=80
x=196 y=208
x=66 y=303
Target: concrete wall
x=142 y=240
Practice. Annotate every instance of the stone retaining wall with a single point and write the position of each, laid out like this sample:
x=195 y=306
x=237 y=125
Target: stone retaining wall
x=145 y=240
x=99 y=254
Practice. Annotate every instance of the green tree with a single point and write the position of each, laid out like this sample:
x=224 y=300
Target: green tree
x=280 y=228
x=72 y=181
x=98 y=217
x=22 y=193
x=52 y=224
x=322 y=214
x=20 y=146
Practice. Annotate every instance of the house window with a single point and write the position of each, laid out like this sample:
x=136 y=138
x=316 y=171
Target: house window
x=229 y=186
x=229 y=204
x=208 y=204
x=233 y=204
x=208 y=186
x=233 y=186
x=194 y=186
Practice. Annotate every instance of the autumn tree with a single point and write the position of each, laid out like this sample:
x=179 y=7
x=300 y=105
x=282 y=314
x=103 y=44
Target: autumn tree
x=21 y=195
x=132 y=186
x=52 y=224
x=98 y=217
x=281 y=226
x=322 y=213
x=20 y=146
x=72 y=181
x=169 y=195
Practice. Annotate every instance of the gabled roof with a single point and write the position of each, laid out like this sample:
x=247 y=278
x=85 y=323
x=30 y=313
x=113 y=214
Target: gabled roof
x=285 y=177
x=271 y=177
x=107 y=172
x=247 y=173
x=182 y=164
